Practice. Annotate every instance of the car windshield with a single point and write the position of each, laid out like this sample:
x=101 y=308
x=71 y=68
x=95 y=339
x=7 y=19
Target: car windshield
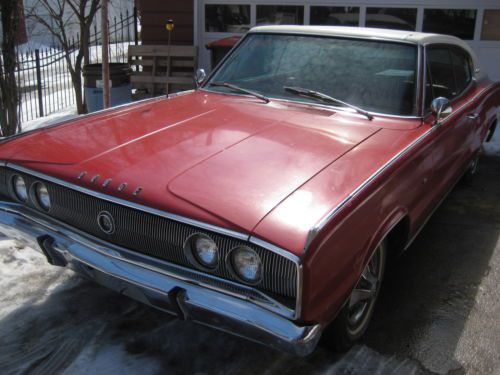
x=376 y=76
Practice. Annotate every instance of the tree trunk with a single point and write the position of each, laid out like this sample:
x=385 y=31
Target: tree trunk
x=76 y=80
x=84 y=43
x=8 y=86
x=84 y=47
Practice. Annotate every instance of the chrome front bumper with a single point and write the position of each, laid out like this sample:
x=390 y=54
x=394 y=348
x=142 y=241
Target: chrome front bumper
x=101 y=262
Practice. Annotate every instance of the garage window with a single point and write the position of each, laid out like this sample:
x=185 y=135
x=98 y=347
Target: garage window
x=491 y=23
x=227 y=18
x=280 y=15
x=392 y=18
x=343 y=16
x=457 y=22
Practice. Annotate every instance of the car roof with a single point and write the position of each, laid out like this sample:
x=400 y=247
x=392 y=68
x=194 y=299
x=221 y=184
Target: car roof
x=362 y=32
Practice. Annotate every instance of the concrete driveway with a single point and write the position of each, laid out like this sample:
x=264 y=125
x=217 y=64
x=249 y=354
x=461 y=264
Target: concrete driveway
x=439 y=311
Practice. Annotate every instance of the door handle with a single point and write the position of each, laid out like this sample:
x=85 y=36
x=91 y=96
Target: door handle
x=473 y=116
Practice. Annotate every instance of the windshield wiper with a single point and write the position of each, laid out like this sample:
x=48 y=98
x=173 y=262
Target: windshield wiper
x=320 y=96
x=240 y=89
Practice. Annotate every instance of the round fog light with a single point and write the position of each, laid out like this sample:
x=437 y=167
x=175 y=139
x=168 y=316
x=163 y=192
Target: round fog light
x=42 y=196
x=20 y=189
x=246 y=264
x=203 y=251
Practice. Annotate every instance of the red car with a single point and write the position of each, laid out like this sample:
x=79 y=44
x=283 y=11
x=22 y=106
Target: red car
x=265 y=202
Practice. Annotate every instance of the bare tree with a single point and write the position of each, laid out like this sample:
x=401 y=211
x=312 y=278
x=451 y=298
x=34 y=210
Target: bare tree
x=9 y=98
x=63 y=13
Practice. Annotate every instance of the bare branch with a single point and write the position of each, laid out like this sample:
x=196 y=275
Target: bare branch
x=63 y=13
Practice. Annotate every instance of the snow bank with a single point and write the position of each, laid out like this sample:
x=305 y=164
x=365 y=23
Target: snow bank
x=493 y=147
x=54 y=118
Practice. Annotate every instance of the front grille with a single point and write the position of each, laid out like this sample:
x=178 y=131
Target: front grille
x=159 y=237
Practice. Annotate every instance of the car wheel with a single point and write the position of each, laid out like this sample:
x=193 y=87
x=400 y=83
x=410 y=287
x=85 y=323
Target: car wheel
x=355 y=316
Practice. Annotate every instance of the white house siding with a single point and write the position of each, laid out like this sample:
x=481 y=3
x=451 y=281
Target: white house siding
x=487 y=50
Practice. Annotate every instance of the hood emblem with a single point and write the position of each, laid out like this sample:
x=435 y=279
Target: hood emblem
x=107 y=182
x=106 y=222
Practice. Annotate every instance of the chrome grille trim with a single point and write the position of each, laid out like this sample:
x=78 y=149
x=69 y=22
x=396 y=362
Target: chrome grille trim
x=292 y=257
x=126 y=203
x=282 y=280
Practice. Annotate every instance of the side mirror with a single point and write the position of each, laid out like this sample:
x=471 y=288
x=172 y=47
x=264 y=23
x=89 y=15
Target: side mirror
x=199 y=77
x=441 y=107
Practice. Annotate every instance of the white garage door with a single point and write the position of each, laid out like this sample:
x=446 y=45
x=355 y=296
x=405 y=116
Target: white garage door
x=478 y=22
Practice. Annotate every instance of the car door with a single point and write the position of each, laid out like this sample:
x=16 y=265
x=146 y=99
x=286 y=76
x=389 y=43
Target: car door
x=449 y=75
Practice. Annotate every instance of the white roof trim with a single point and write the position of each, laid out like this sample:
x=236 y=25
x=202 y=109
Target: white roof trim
x=362 y=32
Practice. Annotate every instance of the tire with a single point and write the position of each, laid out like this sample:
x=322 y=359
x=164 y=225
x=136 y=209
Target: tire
x=353 y=320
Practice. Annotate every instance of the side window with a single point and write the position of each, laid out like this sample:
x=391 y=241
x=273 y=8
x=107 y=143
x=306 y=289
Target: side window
x=462 y=69
x=429 y=95
x=441 y=72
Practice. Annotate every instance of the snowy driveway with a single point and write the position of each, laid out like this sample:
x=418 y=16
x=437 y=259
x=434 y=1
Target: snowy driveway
x=439 y=311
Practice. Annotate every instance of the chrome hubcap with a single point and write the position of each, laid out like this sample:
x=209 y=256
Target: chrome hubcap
x=473 y=166
x=364 y=294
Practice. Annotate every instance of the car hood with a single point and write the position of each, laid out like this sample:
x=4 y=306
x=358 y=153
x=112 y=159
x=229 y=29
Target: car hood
x=232 y=159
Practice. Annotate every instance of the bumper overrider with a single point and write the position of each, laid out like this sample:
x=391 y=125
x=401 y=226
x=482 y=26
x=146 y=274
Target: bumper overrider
x=167 y=291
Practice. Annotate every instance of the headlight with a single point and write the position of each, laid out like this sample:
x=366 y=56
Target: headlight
x=246 y=264
x=203 y=251
x=20 y=189
x=42 y=196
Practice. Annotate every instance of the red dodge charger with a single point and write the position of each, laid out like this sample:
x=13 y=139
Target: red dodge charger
x=265 y=202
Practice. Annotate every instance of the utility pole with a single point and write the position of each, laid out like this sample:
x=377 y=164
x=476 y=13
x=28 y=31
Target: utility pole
x=105 y=56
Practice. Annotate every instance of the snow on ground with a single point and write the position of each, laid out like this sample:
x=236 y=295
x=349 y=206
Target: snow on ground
x=65 y=114
x=33 y=45
x=493 y=147
x=55 y=322
x=57 y=89
x=51 y=319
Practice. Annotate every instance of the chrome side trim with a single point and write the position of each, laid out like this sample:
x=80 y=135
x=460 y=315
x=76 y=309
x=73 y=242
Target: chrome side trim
x=292 y=257
x=274 y=249
x=129 y=204
x=314 y=231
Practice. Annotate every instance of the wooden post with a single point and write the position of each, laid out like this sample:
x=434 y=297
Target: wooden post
x=105 y=56
x=170 y=27
x=136 y=28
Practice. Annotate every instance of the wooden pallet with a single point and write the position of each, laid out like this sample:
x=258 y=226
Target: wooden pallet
x=159 y=70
